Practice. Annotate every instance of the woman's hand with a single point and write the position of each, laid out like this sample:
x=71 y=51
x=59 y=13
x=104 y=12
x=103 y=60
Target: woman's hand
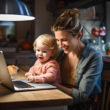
x=31 y=79
x=55 y=84
x=63 y=88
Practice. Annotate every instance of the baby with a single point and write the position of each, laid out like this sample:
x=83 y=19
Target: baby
x=46 y=69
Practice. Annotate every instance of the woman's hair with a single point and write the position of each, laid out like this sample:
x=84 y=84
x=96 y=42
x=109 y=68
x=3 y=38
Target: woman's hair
x=68 y=21
x=48 y=41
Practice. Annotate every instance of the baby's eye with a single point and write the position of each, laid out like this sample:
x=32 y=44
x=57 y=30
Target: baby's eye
x=37 y=50
x=45 y=51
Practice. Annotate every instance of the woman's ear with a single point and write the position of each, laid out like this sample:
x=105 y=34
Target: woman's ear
x=79 y=35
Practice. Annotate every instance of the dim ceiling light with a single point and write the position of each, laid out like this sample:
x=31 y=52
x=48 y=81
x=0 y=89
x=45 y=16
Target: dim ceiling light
x=14 y=10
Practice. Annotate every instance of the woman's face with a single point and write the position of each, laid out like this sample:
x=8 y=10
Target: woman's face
x=66 y=41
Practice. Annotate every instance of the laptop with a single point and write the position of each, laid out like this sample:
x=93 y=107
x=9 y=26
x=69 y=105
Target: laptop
x=21 y=84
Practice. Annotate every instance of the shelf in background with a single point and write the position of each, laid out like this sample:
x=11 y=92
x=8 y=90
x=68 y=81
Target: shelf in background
x=84 y=3
x=8 y=49
x=81 y=4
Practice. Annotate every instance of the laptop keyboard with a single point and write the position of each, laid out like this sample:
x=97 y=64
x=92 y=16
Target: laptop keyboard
x=20 y=84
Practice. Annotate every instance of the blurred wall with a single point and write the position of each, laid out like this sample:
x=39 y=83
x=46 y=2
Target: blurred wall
x=43 y=18
x=108 y=21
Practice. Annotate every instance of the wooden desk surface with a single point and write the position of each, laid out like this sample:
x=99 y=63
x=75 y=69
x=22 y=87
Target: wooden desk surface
x=30 y=99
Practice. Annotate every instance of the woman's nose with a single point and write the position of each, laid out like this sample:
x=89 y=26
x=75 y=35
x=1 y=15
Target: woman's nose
x=60 y=44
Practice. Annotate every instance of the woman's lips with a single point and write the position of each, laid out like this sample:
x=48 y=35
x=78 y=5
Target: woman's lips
x=65 y=48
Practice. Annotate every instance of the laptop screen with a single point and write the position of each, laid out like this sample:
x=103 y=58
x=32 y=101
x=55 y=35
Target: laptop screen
x=5 y=78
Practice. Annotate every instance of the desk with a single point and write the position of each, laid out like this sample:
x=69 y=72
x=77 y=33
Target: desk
x=52 y=99
x=106 y=62
x=106 y=58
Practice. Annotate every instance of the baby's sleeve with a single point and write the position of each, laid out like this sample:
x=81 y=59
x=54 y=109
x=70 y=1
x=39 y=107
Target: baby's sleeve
x=51 y=74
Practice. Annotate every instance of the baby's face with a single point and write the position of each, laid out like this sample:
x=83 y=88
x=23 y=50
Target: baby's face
x=43 y=54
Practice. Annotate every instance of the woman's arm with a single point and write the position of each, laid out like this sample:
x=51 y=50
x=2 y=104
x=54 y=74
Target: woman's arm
x=90 y=78
x=87 y=82
x=63 y=88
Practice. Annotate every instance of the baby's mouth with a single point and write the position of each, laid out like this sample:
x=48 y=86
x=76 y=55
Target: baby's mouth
x=40 y=57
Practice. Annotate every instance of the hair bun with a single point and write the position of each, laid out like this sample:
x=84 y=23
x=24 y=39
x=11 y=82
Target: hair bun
x=74 y=13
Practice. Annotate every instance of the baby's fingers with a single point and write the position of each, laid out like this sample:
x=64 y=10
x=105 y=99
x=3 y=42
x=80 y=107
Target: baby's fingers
x=29 y=78
x=26 y=74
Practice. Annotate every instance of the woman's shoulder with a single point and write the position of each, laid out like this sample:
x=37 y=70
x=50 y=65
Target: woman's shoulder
x=90 y=52
x=94 y=53
x=91 y=56
x=94 y=58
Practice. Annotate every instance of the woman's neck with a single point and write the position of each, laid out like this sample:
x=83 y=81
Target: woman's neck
x=73 y=56
x=77 y=52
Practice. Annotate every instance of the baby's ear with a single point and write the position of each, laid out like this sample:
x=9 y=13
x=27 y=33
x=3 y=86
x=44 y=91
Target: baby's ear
x=52 y=53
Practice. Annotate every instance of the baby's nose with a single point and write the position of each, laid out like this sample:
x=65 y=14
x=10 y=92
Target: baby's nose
x=40 y=53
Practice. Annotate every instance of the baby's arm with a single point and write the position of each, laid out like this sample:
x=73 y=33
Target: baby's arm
x=34 y=79
x=51 y=74
x=28 y=74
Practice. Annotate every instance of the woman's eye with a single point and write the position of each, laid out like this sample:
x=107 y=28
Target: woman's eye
x=64 y=40
x=45 y=51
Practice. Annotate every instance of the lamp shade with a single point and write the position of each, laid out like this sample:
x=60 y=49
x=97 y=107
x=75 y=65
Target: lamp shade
x=14 y=10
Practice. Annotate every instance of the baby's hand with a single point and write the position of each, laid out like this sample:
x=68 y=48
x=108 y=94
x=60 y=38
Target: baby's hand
x=31 y=79
x=28 y=74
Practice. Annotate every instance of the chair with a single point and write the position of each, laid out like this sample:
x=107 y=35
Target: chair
x=105 y=90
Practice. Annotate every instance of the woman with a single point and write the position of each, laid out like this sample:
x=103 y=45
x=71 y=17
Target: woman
x=80 y=64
